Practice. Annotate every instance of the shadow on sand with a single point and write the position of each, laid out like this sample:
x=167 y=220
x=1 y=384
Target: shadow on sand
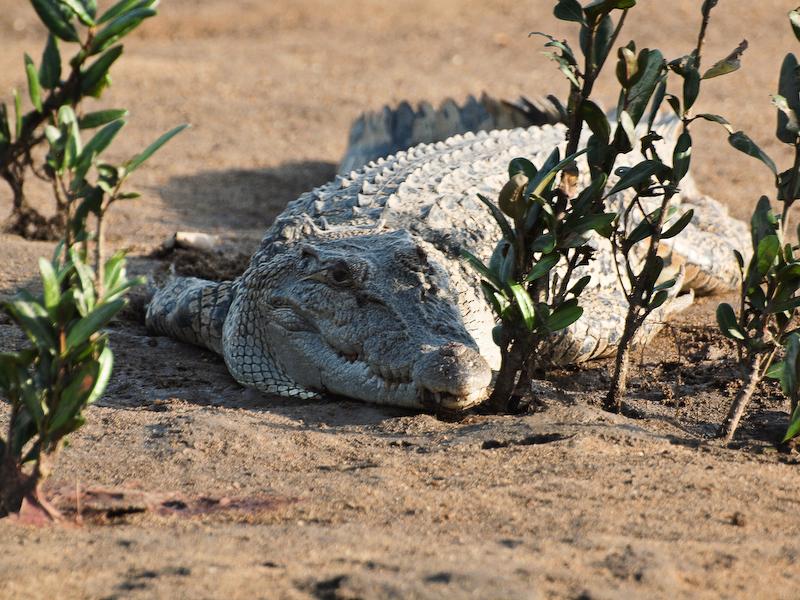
x=241 y=199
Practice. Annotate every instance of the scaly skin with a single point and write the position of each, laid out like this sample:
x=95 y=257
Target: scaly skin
x=358 y=288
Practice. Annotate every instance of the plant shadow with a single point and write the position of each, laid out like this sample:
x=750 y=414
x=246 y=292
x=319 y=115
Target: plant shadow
x=241 y=199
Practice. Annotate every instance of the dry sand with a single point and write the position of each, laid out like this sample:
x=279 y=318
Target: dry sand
x=229 y=493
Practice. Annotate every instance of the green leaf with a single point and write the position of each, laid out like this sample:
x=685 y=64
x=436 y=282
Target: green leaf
x=119 y=28
x=788 y=126
x=106 y=360
x=116 y=291
x=576 y=289
x=34 y=88
x=651 y=66
x=659 y=299
x=691 y=87
x=512 y=199
x=114 y=270
x=93 y=322
x=715 y=119
x=50 y=69
x=596 y=120
x=675 y=103
x=523 y=166
x=77 y=7
x=565 y=66
x=789 y=90
x=544 y=265
x=524 y=304
x=791 y=364
x=99 y=142
x=743 y=143
x=767 y=252
x=666 y=285
x=137 y=160
x=679 y=225
x=481 y=268
x=763 y=221
x=728 y=323
x=567 y=55
x=508 y=264
x=73 y=146
x=794 y=19
x=786 y=305
x=101 y=117
x=638 y=175
x=598 y=7
x=50 y=14
x=641 y=232
x=794 y=422
x=569 y=10
x=95 y=74
x=495 y=299
x=601 y=223
x=123 y=6
x=564 y=316
x=729 y=64
x=602 y=40
x=33 y=320
x=52 y=289
x=32 y=399
x=74 y=396
x=788 y=183
x=775 y=370
x=499 y=217
x=86 y=279
x=681 y=157
x=90 y=6
x=658 y=99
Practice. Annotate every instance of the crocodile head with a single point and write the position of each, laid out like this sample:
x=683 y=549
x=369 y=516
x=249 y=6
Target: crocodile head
x=369 y=317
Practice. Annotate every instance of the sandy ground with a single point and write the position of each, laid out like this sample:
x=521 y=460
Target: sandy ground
x=198 y=488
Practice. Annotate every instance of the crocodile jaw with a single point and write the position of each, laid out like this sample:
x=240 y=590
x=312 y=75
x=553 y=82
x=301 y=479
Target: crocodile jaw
x=450 y=377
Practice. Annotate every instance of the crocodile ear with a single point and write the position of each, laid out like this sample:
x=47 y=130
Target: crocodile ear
x=248 y=357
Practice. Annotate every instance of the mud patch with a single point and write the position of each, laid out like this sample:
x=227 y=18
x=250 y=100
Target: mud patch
x=98 y=506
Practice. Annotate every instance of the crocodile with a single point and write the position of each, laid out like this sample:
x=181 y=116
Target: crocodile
x=358 y=288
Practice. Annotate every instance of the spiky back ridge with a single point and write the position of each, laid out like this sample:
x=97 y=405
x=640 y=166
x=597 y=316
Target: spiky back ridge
x=393 y=129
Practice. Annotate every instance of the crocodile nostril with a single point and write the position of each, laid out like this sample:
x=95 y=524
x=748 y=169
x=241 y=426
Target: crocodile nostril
x=452 y=368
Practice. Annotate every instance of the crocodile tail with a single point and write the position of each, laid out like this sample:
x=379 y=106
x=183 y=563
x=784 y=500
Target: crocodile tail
x=191 y=310
x=388 y=131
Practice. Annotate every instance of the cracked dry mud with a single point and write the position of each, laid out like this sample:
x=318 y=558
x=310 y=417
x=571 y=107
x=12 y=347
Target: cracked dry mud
x=193 y=487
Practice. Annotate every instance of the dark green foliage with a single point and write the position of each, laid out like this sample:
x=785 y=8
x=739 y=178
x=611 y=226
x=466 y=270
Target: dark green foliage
x=765 y=327
x=545 y=223
x=69 y=362
x=551 y=221
x=56 y=83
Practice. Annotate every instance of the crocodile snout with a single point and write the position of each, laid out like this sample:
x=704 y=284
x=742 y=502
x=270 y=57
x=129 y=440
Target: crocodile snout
x=452 y=376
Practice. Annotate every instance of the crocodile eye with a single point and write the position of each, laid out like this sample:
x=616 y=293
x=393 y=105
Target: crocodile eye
x=339 y=273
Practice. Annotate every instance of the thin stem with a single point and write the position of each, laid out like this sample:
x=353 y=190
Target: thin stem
x=739 y=405
x=701 y=37
x=612 y=42
x=99 y=253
